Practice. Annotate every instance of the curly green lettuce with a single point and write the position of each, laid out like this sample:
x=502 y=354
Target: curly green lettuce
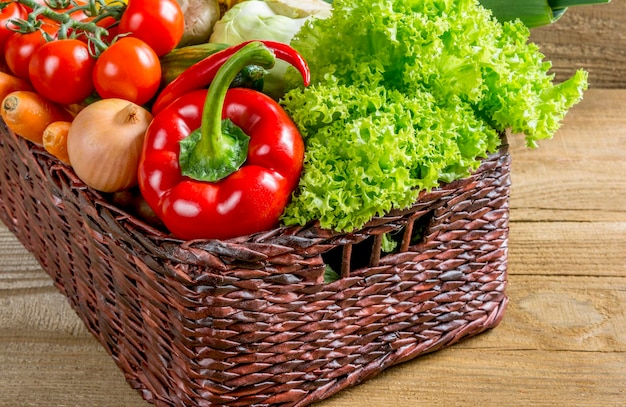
x=407 y=94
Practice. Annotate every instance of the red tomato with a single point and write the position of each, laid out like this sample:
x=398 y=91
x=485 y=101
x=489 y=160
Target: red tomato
x=129 y=69
x=61 y=71
x=19 y=48
x=160 y=23
x=10 y=12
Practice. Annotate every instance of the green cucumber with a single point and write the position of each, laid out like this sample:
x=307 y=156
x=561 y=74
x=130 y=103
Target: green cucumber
x=178 y=60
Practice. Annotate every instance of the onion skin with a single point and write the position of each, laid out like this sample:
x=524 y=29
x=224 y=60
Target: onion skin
x=105 y=141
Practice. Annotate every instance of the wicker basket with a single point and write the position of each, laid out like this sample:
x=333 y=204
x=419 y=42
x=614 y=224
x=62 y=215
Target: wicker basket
x=250 y=321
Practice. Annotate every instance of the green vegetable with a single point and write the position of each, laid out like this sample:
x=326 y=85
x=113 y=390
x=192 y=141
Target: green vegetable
x=406 y=94
x=388 y=245
x=258 y=20
x=177 y=61
x=533 y=13
x=330 y=275
x=254 y=20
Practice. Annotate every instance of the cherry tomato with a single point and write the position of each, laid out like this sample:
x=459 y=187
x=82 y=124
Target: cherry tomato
x=61 y=71
x=159 y=23
x=10 y=12
x=129 y=69
x=19 y=48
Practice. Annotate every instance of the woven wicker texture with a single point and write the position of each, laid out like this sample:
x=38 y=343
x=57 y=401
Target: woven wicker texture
x=250 y=321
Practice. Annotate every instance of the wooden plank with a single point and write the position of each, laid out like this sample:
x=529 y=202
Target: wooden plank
x=64 y=372
x=568 y=248
x=14 y=256
x=579 y=175
x=561 y=314
x=488 y=377
x=454 y=376
x=589 y=37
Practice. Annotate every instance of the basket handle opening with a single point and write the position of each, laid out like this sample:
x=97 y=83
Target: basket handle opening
x=346 y=258
x=415 y=230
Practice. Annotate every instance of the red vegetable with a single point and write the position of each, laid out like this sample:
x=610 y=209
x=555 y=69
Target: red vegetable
x=8 y=14
x=201 y=74
x=159 y=24
x=19 y=49
x=129 y=69
x=205 y=177
x=61 y=71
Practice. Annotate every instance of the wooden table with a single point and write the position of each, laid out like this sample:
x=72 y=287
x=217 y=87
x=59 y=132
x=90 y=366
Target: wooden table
x=562 y=341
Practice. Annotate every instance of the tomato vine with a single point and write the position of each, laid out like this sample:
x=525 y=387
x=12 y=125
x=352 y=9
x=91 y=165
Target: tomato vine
x=74 y=18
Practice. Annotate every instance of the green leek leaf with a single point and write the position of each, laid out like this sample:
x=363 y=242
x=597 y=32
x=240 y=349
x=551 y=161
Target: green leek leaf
x=533 y=13
x=560 y=4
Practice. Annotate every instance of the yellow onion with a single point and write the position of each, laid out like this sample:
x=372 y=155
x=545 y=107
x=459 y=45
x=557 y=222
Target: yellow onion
x=105 y=141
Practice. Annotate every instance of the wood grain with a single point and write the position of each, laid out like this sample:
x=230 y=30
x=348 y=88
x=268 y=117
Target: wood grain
x=589 y=37
x=585 y=160
x=523 y=378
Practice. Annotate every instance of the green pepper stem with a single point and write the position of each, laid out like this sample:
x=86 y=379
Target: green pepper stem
x=219 y=148
x=255 y=53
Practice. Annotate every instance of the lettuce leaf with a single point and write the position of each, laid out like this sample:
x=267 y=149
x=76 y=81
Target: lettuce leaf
x=408 y=94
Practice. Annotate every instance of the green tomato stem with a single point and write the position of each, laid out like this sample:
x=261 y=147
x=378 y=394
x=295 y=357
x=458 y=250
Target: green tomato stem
x=46 y=11
x=96 y=8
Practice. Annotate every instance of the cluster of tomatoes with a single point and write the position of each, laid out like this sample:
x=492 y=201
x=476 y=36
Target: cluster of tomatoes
x=66 y=62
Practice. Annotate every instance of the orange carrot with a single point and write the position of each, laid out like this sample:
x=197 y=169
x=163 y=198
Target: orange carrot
x=55 y=140
x=10 y=83
x=27 y=114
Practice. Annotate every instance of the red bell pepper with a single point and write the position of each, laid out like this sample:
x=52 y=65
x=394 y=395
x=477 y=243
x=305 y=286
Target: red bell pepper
x=224 y=162
x=201 y=73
